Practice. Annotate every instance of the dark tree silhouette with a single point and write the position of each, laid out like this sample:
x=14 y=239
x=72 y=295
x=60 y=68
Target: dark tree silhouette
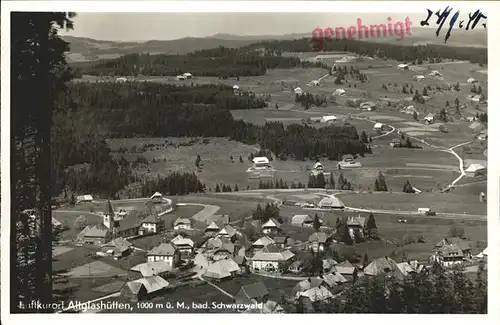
x=38 y=68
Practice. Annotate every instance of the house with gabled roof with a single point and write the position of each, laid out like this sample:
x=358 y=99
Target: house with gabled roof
x=153 y=224
x=137 y=290
x=448 y=255
x=383 y=266
x=283 y=241
x=459 y=242
x=118 y=248
x=270 y=257
x=254 y=292
x=222 y=269
x=356 y=225
x=184 y=245
x=182 y=223
x=227 y=232
x=345 y=268
x=319 y=241
x=94 y=235
x=271 y=226
x=330 y=202
x=302 y=220
x=225 y=251
x=212 y=229
x=263 y=242
x=164 y=252
x=153 y=268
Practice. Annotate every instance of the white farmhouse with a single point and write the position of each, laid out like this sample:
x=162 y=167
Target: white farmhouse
x=261 y=162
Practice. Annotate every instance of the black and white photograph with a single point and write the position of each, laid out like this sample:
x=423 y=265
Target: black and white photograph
x=173 y=161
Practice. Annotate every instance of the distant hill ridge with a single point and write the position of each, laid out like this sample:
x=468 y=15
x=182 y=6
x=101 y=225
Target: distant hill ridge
x=87 y=49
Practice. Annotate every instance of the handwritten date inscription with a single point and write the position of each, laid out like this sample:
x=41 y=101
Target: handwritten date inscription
x=442 y=16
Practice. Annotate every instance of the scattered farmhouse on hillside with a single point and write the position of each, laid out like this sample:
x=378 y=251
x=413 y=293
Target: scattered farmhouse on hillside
x=368 y=106
x=331 y=202
x=435 y=73
x=328 y=119
x=121 y=79
x=317 y=169
x=348 y=162
x=418 y=77
x=429 y=119
x=84 y=198
x=475 y=170
x=315 y=83
x=395 y=143
x=298 y=91
x=180 y=77
x=187 y=75
x=339 y=92
x=261 y=162
x=402 y=66
x=378 y=127
x=471 y=80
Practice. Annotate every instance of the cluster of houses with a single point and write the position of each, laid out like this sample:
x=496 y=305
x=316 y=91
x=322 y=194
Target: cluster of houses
x=125 y=224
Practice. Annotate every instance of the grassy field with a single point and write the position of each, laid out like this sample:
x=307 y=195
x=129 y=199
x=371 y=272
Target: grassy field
x=439 y=202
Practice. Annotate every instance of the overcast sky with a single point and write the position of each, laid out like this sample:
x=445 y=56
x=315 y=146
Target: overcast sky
x=167 y=26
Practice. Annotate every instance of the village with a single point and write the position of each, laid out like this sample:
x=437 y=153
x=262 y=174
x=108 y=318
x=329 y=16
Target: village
x=268 y=247
x=246 y=174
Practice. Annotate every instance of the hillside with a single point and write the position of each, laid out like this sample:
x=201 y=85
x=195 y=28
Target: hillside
x=87 y=49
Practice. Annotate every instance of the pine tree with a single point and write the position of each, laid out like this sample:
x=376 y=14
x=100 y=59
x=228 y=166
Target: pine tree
x=258 y=214
x=241 y=159
x=377 y=186
x=217 y=188
x=371 y=227
x=316 y=222
x=415 y=116
x=366 y=261
x=236 y=188
x=424 y=92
